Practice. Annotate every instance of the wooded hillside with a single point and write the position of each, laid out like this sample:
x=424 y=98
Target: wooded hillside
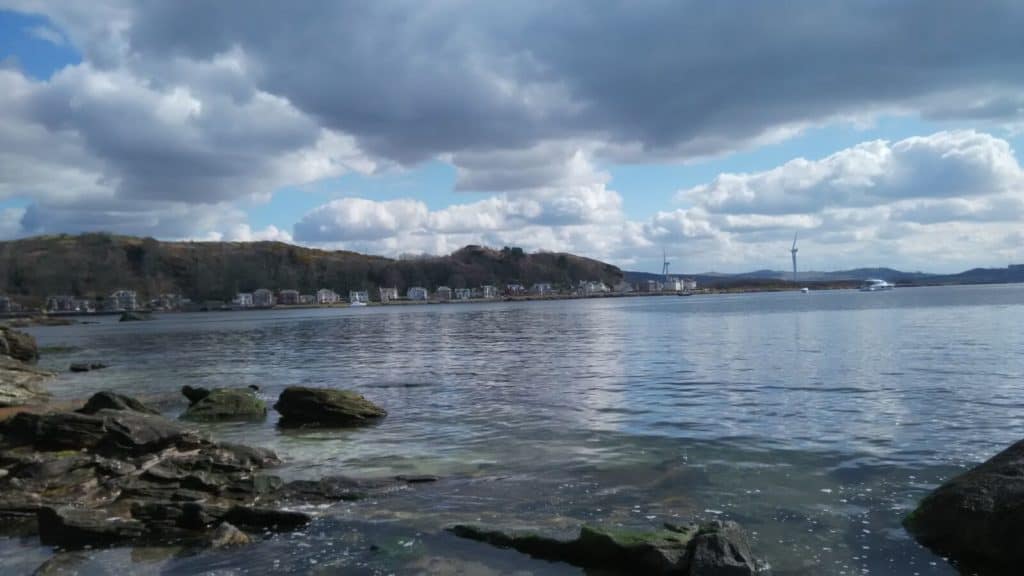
x=94 y=265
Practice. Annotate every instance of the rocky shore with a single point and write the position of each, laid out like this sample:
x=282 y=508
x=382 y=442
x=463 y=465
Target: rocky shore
x=116 y=472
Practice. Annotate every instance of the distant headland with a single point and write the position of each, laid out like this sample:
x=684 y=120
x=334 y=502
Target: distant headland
x=99 y=271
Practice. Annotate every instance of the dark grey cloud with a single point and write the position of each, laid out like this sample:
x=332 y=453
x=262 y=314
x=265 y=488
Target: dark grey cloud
x=412 y=79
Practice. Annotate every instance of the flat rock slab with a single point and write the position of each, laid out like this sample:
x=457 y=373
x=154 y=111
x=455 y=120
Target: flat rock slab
x=712 y=549
x=78 y=528
x=302 y=406
x=21 y=384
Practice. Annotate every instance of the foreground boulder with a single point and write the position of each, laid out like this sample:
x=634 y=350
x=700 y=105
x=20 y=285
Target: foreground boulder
x=224 y=404
x=301 y=406
x=135 y=316
x=977 y=518
x=18 y=345
x=711 y=549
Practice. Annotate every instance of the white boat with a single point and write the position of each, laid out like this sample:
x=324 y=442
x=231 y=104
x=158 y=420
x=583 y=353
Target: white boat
x=357 y=303
x=876 y=285
x=805 y=290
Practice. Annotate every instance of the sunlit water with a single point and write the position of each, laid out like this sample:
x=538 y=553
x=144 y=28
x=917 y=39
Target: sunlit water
x=815 y=420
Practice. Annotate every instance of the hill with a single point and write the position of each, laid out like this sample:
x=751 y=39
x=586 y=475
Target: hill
x=94 y=265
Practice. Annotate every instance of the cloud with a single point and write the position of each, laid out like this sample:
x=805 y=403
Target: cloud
x=46 y=34
x=677 y=79
x=959 y=164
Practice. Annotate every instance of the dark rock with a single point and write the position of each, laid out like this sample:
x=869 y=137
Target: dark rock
x=86 y=366
x=301 y=406
x=266 y=518
x=134 y=316
x=416 y=478
x=77 y=527
x=107 y=400
x=134 y=433
x=715 y=549
x=194 y=394
x=226 y=535
x=722 y=549
x=59 y=431
x=18 y=345
x=227 y=404
x=977 y=518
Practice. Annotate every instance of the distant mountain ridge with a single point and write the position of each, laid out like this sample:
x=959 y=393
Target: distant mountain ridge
x=1010 y=274
x=94 y=265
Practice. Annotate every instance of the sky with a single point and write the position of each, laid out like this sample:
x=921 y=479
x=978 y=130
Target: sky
x=879 y=133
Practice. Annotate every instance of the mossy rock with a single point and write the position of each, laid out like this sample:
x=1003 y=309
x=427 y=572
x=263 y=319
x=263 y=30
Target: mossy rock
x=227 y=404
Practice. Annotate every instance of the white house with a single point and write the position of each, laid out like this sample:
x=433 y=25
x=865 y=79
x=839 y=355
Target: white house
x=288 y=297
x=689 y=284
x=463 y=293
x=488 y=291
x=326 y=296
x=444 y=293
x=541 y=288
x=417 y=293
x=262 y=298
x=123 y=300
x=515 y=289
x=243 y=300
x=358 y=296
x=388 y=294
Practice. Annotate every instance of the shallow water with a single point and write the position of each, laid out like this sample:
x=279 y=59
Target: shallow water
x=816 y=420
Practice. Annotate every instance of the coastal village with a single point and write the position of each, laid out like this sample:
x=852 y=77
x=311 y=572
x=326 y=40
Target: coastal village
x=125 y=300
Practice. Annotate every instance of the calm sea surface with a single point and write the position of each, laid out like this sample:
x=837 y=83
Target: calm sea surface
x=815 y=420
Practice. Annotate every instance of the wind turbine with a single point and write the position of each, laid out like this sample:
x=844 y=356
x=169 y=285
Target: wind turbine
x=664 y=266
x=793 y=252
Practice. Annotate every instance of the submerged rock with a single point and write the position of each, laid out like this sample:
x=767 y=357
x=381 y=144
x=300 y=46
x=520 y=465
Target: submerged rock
x=135 y=316
x=86 y=366
x=224 y=404
x=977 y=518
x=712 y=549
x=302 y=406
x=108 y=400
x=78 y=528
x=226 y=535
x=18 y=345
